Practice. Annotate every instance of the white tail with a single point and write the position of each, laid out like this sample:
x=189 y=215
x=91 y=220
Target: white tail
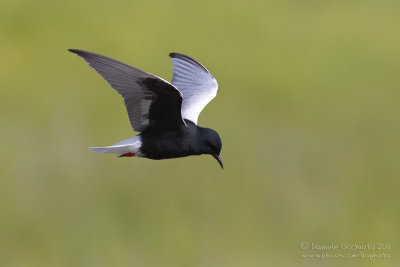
x=131 y=145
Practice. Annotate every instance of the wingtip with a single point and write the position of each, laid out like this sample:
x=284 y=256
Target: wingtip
x=189 y=60
x=180 y=55
x=80 y=52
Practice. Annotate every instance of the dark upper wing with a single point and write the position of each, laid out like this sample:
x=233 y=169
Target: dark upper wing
x=196 y=84
x=149 y=99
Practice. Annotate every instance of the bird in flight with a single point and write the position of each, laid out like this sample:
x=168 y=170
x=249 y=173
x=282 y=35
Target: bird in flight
x=164 y=113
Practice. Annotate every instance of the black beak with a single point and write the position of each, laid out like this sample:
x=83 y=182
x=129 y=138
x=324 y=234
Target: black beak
x=218 y=158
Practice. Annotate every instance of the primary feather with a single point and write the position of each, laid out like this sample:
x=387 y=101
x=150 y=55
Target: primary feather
x=196 y=84
x=149 y=99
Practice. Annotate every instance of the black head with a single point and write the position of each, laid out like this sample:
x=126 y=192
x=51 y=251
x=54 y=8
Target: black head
x=211 y=144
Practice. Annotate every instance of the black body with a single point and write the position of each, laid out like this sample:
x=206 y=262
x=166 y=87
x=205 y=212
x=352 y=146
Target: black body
x=180 y=142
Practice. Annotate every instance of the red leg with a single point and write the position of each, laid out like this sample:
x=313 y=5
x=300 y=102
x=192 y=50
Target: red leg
x=129 y=154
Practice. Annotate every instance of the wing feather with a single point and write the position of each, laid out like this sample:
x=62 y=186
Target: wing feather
x=196 y=84
x=149 y=100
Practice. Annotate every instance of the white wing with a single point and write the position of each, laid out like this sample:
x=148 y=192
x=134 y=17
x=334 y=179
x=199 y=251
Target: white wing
x=196 y=84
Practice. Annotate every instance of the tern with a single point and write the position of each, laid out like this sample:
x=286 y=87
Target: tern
x=165 y=114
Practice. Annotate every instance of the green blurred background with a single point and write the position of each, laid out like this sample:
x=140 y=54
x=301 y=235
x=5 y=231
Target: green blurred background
x=308 y=110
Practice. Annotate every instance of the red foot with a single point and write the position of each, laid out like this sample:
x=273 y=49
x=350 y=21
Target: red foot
x=129 y=154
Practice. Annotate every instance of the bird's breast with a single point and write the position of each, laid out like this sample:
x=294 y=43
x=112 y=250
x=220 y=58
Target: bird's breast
x=169 y=144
